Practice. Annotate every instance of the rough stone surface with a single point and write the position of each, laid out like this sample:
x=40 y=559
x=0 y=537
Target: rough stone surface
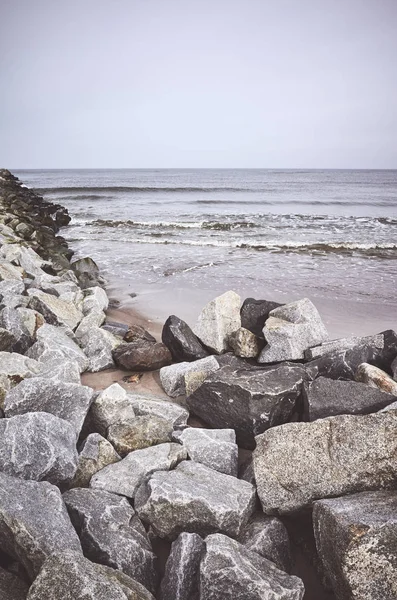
x=157 y=406
x=126 y=476
x=95 y=299
x=33 y=522
x=142 y=356
x=218 y=320
x=196 y=499
x=173 y=377
x=54 y=310
x=16 y=366
x=298 y=463
x=38 y=446
x=68 y=573
x=135 y=333
x=53 y=344
x=254 y=314
x=193 y=381
x=290 y=330
x=11 y=587
x=7 y=340
x=109 y=407
x=215 y=448
x=67 y=370
x=230 y=570
x=95 y=454
x=328 y=397
x=244 y=343
x=11 y=320
x=69 y=401
x=93 y=319
x=181 y=577
x=376 y=378
x=111 y=533
x=344 y=344
x=181 y=341
x=356 y=540
x=139 y=432
x=249 y=401
x=268 y=537
x=394 y=369
x=98 y=345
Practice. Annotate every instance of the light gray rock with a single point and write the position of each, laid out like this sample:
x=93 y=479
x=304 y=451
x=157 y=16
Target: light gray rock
x=298 y=463
x=109 y=407
x=11 y=320
x=53 y=344
x=11 y=288
x=376 y=378
x=67 y=572
x=215 y=448
x=67 y=370
x=139 y=432
x=218 y=320
x=16 y=366
x=26 y=258
x=11 y=587
x=38 y=446
x=95 y=454
x=181 y=577
x=196 y=499
x=157 y=406
x=245 y=344
x=126 y=476
x=69 y=401
x=93 y=319
x=111 y=533
x=290 y=330
x=98 y=345
x=230 y=570
x=95 y=299
x=173 y=377
x=344 y=344
x=356 y=540
x=54 y=310
x=268 y=537
x=9 y=272
x=31 y=320
x=5 y=386
x=34 y=522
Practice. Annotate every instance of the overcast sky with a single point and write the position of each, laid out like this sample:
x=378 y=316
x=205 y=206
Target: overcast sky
x=198 y=83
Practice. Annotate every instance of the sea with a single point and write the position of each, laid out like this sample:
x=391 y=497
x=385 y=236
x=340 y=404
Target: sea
x=164 y=236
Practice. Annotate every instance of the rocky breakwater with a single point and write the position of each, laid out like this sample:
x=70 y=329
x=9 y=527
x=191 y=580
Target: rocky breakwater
x=93 y=484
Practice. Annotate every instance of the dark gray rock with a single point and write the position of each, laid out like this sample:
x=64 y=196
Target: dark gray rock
x=111 y=533
x=376 y=378
x=181 y=577
x=230 y=570
x=218 y=320
x=328 y=397
x=38 y=446
x=118 y=329
x=95 y=454
x=7 y=340
x=181 y=341
x=11 y=320
x=34 y=522
x=142 y=356
x=268 y=537
x=298 y=463
x=254 y=314
x=139 y=432
x=196 y=499
x=394 y=369
x=356 y=540
x=375 y=341
x=215 y=448
x=248 y=400
x=11 y=587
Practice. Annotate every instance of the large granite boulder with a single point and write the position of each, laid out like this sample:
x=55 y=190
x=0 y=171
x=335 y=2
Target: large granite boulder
x=157 y=406
x=95 y=454
x=98 y=345
x=254 y=314
x=290 y=330
x=173 y=377
x=196 y=499
x=248 y=400
x=38 y=446
x=67 y=371
x=356 y=540
x=230 y=570
x=376 y=378
x=181 y=341
x=139 y=432
x=181 y=577
x=141 y=356
x=54 y=310
x=268 y=537
x=298 y=463
x=215 y=448
x=218 y=320
x=11 y=587
x=54 y=344
x=325 y=397
x=376 y=341
x=111 y=533
x=111 y=406
x=34 y=522
x=126 y=476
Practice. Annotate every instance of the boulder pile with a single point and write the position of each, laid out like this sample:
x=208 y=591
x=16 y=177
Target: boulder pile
x=120 y=495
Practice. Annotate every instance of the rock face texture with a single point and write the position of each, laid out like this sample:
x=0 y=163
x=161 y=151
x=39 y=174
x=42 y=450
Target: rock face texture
x=215 y=448
x=138 y=433
x=218 y=320
x=53 y=344
x=268 y=537
x=254 y=314
x=181 y=577
x=173 y=377
x=110 y=406
x=54 y=310
x=376 y=341
x=229 y=570
x=11 y=587
x=195 y=499
x=181 y=341
x=297 y=463
x=152 y=405
x=33 y=522
x=246 y=344
x=356 y=540
x=248 y=400
x=290 y=330
x=95 y=454
x=376 y=378
x=16 y=366
x=142 y=356
x=98 y=345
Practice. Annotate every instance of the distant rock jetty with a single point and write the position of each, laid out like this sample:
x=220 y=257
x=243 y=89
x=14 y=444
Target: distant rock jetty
x=274 y=440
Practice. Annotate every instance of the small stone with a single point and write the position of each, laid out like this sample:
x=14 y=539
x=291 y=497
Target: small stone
x=376 y=378
x=157 y=406
x=254 y=314
x=181 y=577
x=136 y=333
x=109 y=407
x=95 y=454
x=218 y=320
x=54 y=310
x=173 y=377
x=142 y=356
x=215 y=448
x=139 y=432
x=245 y=344
x=181 y=341
x=268 y=537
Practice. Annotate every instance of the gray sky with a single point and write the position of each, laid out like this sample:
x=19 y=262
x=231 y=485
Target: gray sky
x=198 y=83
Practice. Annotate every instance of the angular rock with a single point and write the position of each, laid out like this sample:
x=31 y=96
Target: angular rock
x=109 y=407
x=126 y=476
x=11 y=587
x=192 y=381
x=12 y=288
x=38 y=446
x=218 y=320
x=67 y=572
x=298 y=463
x=173 y=377
x=31 y=320
x=34 y=522
x=111 y=533
x=98 y=345
x=7 y=340
x=244 y=343
x=356 y=540
x=118 y=329
x=141 y=356
x=54 y=310
x=181 y=341
x=249 y=401
x=68 y=371
x=139 y=432
x=157 y=406
x=95 y=299
x=87 y=273
x=95 y=454
x=215 y=448
x=181 y=577
x=196 y=499
x=16 y=366
x=11 y=320
x=328 y=397
x=136 y=333
x=290 y=330
x=268 y=537
x=9 y=272
x=254 y=314
x=53 y=344
x=68 y=401
x=93 y=319
x=344 y=344
x=230 y=568
x=376 y=378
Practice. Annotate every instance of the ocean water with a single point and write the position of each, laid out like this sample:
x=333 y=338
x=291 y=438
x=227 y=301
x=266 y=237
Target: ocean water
x=325 y=234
